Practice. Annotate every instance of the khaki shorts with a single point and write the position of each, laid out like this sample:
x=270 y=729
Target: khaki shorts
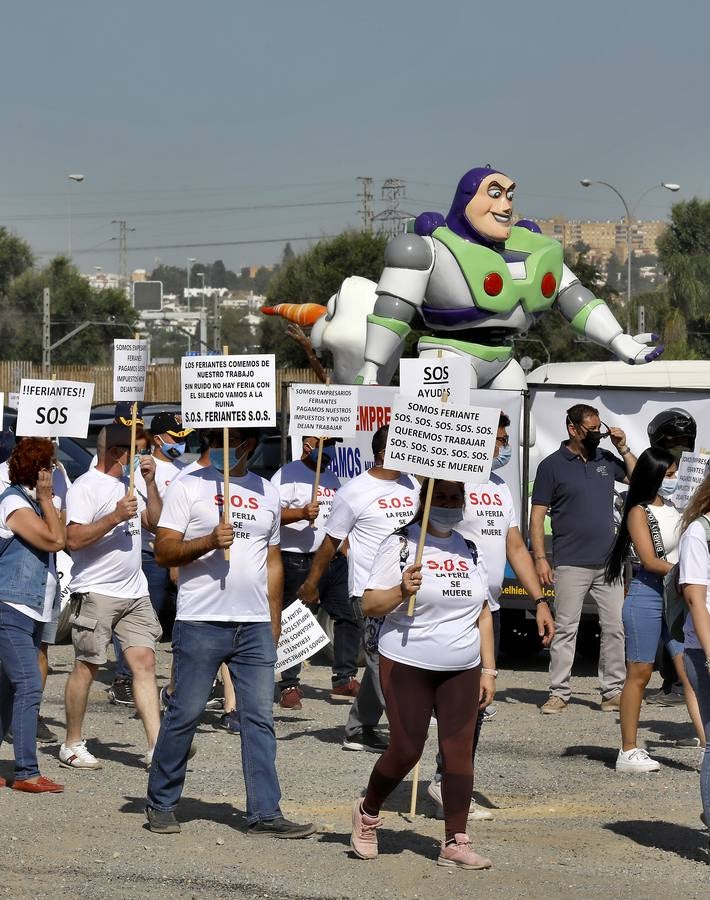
x=94 y=617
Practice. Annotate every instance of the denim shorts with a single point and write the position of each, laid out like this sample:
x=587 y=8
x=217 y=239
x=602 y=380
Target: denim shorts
x=642 y=616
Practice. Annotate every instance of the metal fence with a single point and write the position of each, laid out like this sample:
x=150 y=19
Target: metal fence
x=162 y=383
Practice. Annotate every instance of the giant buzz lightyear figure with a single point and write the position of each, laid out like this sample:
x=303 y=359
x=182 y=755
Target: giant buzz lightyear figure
x=477 y=281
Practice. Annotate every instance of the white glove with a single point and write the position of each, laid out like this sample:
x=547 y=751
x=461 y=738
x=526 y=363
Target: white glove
x=635 y=350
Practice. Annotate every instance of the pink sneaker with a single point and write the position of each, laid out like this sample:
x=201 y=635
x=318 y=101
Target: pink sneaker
x=363 y=840
x=460 y=854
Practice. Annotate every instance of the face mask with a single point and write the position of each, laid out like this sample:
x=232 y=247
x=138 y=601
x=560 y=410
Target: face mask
x=31 y=492
x=126 y=467
x=174 y=451
x=591 y=440
x=503 y=458
x=445 y=517
x=217 y=459
x=327 y=458
x=668 y=487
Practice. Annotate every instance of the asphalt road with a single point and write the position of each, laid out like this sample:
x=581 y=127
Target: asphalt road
x=565 y=824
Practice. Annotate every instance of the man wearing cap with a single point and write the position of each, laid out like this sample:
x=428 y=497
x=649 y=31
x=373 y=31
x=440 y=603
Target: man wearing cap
x=109 y=589
x=228 y=611
x=303 y=524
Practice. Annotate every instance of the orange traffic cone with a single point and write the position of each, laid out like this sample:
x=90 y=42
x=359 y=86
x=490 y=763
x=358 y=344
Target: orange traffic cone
x=300 y=313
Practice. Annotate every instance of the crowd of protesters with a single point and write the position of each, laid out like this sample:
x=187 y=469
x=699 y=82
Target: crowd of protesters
x=154 y=554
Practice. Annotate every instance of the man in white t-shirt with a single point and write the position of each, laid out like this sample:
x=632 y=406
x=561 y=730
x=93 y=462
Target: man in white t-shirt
x=302 y=530
x=491 y=523
x=109 y=589
x=228 y=611
x=365 y=510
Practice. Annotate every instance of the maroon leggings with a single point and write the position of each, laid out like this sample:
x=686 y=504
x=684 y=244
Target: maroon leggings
x=411 y=695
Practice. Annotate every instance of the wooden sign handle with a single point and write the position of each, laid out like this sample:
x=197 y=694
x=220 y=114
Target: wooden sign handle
x=225 y=454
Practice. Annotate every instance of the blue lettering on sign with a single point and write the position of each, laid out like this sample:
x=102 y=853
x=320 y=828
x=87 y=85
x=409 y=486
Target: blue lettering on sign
x=346 y=463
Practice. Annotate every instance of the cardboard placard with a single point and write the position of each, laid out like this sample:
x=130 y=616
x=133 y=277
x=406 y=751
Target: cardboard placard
x=441 y=441
x=323 y=409
x=130 y=360
x=13 y=399
x=691 y=473
x=301 y=636
x=427 y=378
x=227 y=391
x=54 y=408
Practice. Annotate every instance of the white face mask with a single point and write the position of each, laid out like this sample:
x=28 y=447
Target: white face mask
x=31 y=492
x=668 y=488
x=445 y=517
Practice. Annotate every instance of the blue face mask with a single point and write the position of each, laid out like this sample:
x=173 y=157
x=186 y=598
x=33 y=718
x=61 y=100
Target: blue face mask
x=327 y=458
x=668 y=488
x=217 y=459
x=503 y=458
x=174 y=451
x=126 y=467
x=445 y=517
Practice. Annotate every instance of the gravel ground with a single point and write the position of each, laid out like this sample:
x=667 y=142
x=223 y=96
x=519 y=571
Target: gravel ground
x=564 y=823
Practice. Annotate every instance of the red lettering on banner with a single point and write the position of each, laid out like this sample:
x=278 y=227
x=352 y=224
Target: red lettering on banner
x=370 y=418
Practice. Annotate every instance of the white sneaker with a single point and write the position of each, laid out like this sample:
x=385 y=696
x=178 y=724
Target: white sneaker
x=475 y=813
x=636 y=760
x=77 y=757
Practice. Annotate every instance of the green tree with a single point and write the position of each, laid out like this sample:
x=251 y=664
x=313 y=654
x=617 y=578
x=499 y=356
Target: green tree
x=684 y=256
x=15 y=258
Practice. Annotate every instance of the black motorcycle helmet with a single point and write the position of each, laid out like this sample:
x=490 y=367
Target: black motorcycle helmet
x=673 y=429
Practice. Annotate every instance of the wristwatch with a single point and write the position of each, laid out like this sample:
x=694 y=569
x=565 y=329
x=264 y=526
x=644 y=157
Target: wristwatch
x=624 y=450
x=543 y=600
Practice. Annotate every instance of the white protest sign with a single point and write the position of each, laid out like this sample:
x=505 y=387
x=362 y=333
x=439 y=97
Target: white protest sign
x=54 y=408
x=2 y=408
x=13 y=399
x=227 y=391
x=438 y=440
x=330 y=410
x=130 y=359
x=691 y=472
x=301 y=636
x=428 y=378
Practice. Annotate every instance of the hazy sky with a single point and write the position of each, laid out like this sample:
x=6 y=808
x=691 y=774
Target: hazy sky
x=179 y=113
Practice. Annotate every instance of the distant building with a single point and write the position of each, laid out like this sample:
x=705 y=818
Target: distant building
x=605 y=237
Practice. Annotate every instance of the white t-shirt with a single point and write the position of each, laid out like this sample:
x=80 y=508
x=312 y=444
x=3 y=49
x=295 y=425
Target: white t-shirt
x=668 y=518
x=111 y=565
x=694 y=568
x=443 y=633
x=489 y=513
x=165 y=472
x=366 y=510
x=8 y=506
x=294 y=482
x=213 y=589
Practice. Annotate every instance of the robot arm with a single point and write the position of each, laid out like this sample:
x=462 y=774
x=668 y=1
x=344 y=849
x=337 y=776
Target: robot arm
x=591 y=318
x=400 y=293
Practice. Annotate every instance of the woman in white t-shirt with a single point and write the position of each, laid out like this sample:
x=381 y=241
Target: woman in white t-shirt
x=430 y=662
x=694 y=578
x=31 y=532
x=651 y=524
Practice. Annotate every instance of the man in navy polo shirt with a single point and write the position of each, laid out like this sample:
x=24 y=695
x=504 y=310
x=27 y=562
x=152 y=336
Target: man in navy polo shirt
x=576 y=483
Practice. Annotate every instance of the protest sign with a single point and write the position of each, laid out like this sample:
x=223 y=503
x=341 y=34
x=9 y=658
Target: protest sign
x=54 y=408
x=13 y=399
x=428 y=378
x=323 y=409
x=130 y=359
x=441 y=441
x=691 y=472
x=301 y=636
x=2 y=408
x=227 y=391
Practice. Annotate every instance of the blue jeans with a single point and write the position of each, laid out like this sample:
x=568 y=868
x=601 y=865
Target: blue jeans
x=199 y=648
x=642 y=615
x=159 y=587
x=20 y=686
x=333 y=594
x=699 y=678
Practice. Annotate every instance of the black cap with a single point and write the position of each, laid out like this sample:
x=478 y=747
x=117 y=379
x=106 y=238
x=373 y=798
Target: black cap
x=117 y=436
x=123 y=414
x=169 y=423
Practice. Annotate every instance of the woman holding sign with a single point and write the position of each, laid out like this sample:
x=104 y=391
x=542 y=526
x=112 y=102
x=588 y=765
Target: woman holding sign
x=31 y=532
x=431 y=661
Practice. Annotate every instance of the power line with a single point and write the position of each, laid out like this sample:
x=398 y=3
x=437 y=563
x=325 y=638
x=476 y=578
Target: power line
x=281 y=240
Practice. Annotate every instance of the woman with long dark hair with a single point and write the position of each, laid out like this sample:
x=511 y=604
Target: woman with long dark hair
x=439 y=659
x=652 y=524
x=694 y=578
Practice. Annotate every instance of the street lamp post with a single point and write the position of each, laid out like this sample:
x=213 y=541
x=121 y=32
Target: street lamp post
x=202 y=276
x=77 y=179
x=587 y=182
x=190 y=260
